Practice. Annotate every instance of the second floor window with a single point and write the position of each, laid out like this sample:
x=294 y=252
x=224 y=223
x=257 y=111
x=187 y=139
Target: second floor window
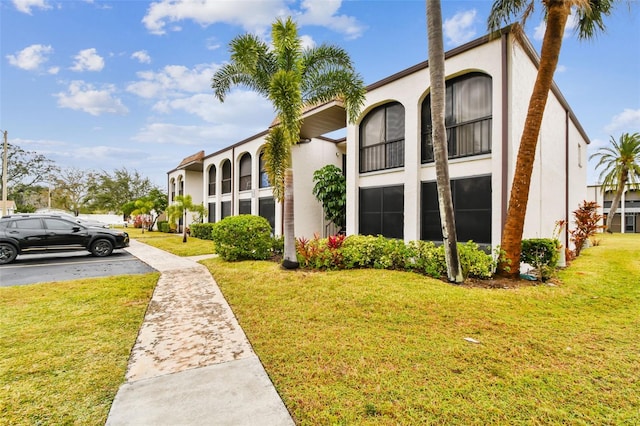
x=244 y=180
x=226 y=177
x=212 y=180
x=264 y=179
x=467 y=118
x=382 y=138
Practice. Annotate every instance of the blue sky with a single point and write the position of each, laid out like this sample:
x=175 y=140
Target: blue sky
x=102 y=85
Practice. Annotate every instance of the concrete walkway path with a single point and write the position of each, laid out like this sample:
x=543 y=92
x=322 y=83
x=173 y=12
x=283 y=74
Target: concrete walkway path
x=192 y=363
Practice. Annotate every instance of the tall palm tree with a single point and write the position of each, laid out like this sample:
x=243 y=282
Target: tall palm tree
x=292 y=78
x=590 y=14
x=621 y=166
x=439 y=136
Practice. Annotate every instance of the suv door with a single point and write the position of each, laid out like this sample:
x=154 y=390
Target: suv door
x=27 y=231
x=63 y=233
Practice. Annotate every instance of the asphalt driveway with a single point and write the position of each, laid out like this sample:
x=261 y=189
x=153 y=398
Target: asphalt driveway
x=41 y=268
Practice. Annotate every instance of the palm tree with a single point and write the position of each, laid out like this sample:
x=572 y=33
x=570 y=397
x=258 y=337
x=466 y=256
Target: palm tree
x=292 y=78
x=621 y=166
x=179 y=209
x=439 y=137
x=590 y=14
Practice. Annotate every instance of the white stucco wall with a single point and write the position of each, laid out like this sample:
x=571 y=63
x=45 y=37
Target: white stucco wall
x=307 y=158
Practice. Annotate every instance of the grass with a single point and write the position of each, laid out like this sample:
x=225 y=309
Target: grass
x=65 y=347
x=378 y=347
x=172 y=242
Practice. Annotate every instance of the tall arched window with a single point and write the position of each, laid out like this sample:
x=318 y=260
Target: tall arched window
x=382 y=138
x=263 y=182
x=226 y=177
x=212 y=180
x=180 y=186
x=244 y=179
x=467 y=117
x=173 y=190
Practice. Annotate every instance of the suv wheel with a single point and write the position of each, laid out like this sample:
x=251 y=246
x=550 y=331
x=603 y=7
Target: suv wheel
x=8 y=253
x=101 y=247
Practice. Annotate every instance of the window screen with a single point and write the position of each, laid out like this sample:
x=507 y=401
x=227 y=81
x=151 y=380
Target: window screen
x=382 y=211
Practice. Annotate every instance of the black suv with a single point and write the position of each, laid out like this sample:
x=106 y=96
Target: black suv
x=31 y=233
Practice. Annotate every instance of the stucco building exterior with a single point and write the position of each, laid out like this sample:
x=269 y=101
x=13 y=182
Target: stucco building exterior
x=629 y=208
x=388 y=159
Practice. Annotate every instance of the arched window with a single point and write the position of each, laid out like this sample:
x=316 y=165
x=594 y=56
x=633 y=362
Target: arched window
x=212 y=180
x=226 y=177
x=467 y=117
x=173 y=190
x=382 y=138
x=180 y=186
x=244 y=179
x=264 y=179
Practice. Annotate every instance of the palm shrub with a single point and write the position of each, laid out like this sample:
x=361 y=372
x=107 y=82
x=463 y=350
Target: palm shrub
x=243 y=237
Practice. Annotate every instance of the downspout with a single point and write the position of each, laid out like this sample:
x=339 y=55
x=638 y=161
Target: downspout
x=233 y=180
x=504 y=190
x=566 y=178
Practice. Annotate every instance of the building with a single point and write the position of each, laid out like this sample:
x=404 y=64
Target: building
x=629 y=207
x=389 y=161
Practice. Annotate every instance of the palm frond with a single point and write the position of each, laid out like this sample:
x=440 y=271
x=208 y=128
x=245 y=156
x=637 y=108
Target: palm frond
x=504 y=12
x=277 y=157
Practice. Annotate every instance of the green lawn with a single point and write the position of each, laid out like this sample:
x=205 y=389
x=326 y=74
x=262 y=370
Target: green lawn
x=386 y=348
x=172 y=242
x=65 y=346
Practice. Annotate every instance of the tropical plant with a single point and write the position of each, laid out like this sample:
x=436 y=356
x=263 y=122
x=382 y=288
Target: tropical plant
x=330 y=188
x=620 y=164
x=143 y=208
x=587 y=220
x=242 y=237
x=589 y=19
x=439 y=137
x=292 y=78
x=179 y=209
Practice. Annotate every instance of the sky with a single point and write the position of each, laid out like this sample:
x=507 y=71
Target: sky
x=104 y=85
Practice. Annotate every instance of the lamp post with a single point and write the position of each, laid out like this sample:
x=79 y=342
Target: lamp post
x=4 y=175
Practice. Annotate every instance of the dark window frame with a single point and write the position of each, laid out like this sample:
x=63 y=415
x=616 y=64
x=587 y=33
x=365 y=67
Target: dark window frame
x=481 y=124
x=226 y=177
x=263 y=178
x=383 y=212
x=389 y=152
x=244 y=176
x=212 y=180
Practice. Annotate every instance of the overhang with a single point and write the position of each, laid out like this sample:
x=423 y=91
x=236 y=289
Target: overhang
x=318 y=120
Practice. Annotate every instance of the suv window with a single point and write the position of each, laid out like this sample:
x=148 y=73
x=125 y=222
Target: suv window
x=59 y=224
x=28 y=224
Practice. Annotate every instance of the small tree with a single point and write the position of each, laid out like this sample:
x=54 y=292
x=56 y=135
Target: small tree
x=587 y=221
x=331 y=190
x=144 y=208
x=183 y=205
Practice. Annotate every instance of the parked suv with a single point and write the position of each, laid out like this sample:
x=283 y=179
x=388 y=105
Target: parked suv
x=29 y=233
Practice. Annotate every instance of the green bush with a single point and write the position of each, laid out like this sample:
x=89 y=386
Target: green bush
x=424 y=257
x=201 y=230
x=542 y=254
x=242 y=237
x=475 y=261
x=163 y=226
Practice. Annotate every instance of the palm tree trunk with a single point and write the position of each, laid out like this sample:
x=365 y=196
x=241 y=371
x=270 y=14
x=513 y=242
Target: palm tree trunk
x=439 y=137
x=290 y=260
x=615 y=202
x=557 y=15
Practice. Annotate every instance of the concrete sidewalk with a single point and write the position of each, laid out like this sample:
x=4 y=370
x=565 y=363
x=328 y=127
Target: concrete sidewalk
x=192 y=363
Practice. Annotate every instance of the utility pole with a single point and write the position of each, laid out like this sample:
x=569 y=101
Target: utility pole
x=4 y=175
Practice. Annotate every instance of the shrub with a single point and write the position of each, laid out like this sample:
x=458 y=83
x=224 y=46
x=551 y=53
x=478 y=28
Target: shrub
x=163 y=226
x=320 y=253
x=202 y=230
x=242 y=237
x=542 y=254
x=475 y=261
x=587 y=219
x=426 y=258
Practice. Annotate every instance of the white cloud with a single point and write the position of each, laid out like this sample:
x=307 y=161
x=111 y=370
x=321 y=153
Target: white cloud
x=142 y=56
x=460 y=28
x=26 y=5
x=30 y=58
x=95 y=101
x=173 y=80
x=627 y=121
x=253 y=16
x=88 y=60
x=307 y=42
x=324 y=13
x=561 y=68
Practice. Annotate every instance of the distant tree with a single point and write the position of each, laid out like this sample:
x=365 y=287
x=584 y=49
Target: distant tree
x=109 y=192
x=152 y=205
x=26 y=170
x=620 y=164
x=179 y=209
x=71 y=189
x=589 y=19
x=143 y=208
